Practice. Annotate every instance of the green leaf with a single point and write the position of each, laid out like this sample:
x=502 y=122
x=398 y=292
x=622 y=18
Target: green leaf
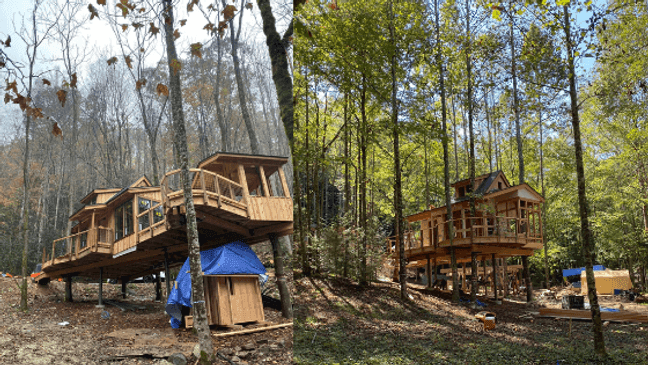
x=497 y=15
x=562 y=2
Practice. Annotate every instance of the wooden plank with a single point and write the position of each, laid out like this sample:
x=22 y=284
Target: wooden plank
x=252 y=330
x=284 y=183
x=623 y=316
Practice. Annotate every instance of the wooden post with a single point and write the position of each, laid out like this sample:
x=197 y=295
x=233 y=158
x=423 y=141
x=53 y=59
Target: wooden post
x=68 y=289
x=484 y=277
x=244 y=185
x=527 y=279
x=124 y=281
x=264 y=182
x=167 y=274
x=463 y=278
x=284 y=182
x=506 y=281
x=429 y=272
x=101 y=280
x=473 y=277
x=494 y=264
x=435 y=269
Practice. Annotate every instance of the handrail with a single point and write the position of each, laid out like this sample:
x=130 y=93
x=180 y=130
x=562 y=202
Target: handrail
x=93 y=238
x=204 y=182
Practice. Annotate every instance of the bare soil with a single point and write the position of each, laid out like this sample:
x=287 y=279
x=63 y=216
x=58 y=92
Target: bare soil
x=55 y=332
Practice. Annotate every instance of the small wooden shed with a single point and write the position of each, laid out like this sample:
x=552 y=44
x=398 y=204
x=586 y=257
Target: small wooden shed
x=233 y=299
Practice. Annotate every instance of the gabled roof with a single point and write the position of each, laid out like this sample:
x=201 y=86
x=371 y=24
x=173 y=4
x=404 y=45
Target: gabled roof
x=98 y=191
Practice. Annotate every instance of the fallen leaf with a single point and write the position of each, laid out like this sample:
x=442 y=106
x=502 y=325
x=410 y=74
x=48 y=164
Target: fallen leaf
x=162 y=89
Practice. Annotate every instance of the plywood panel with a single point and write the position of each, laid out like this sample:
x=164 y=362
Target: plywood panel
x=271 y=209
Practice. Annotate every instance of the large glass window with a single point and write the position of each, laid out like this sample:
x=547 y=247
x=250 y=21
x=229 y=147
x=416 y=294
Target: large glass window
x=144 y=205
x=124 y=220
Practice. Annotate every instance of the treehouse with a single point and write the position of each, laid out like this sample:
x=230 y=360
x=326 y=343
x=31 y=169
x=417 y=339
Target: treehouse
x=135 y=231
x=507 y=222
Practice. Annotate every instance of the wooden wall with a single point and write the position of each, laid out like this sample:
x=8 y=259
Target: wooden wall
x=270 y=208
x=232 y=299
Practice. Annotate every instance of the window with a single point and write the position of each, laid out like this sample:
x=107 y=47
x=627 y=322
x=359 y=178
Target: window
x=144 y=205
x=84 y=241
x=461 y=192
x=124 y=220
x=93 y=201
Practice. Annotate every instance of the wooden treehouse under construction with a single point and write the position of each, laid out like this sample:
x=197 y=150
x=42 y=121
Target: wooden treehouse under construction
x=140 y=229
x=507 y=222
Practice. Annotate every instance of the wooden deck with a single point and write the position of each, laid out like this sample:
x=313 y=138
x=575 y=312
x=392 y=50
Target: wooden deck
x=225 y=210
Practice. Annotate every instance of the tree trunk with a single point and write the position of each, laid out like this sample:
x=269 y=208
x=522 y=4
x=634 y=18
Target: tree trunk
x=279 y=61
x=516 y=108
x=200 y=313
x=588 y=239
x=284 y=292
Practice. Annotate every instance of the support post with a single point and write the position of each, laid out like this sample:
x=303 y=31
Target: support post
x=284 y=293
x=473 y=279
x=167 y=274
x=124 y=281
x=494 y=264
x=435 y=270
x=485 y=276
x=506 y=278
x=429 y=272
x=527 y=279
x=101 y=280
x=68 y=289
x=158 y=288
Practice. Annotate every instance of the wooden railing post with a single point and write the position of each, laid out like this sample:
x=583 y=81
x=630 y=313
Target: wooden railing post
x=204 y=188
x=218 y=192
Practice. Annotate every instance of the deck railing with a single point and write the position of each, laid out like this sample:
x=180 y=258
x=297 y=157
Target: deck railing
x=207 y=183
x=78 y=243
x=467 y=228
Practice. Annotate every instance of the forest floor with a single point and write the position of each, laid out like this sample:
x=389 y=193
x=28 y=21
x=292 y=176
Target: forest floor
x=339 y=322
x=112 y=336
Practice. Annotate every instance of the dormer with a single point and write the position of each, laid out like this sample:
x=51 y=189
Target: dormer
x=98 y=196
x=483 y=184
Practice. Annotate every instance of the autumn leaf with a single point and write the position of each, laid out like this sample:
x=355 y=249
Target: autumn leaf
x=249 y=6
x=176 y=34
x=183 y=22
x=154 y=30
x=2 y=64
x=7 y=43
x=209 y=27
x=124 y=27
x=191 y=5
x=162 y=90
x=101 y=2
x=140 y=83
x=7 y=98
x=93 y=12
x=128 y=61
x=56 y=131
x=22 y=101
x=176 y=66
x=123 y=8
x=222 y=25
x=73 y=81
x=46 y=82
x=228 y=12
x=62 y=94
x=141 y=10
x=195 y=49
x=137 y=25
x=12 y=86
x=35 y=112
x=142 y=50
x=112 y=60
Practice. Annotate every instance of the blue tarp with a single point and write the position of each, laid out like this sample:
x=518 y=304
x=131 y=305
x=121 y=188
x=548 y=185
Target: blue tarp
x=232 y=258
x=577 y=271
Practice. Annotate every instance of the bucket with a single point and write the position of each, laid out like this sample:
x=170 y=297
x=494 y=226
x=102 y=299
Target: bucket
x=489 y=323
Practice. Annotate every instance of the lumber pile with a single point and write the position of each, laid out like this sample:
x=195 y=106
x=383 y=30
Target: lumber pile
x=623 y=316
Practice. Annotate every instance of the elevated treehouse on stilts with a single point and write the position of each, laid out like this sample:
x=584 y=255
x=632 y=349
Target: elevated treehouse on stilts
x=131 y=232
x=507 y=223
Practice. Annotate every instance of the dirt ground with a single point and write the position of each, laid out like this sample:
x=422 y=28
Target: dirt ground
x=337 y=321
x=56 y=332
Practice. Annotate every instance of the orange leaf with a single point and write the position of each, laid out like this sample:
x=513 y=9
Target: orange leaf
x=128 y=61
x=123 y=8
x=140 y=83
x=101 y=2
x=249 y=6
x=209 y=26
x=35 y=112
x=22 y=101
x=56 y=130
x=228 y=12
x=61 y=96
x=195 y=49
x=141 y=10
x=112 y=60
x=176 y=34
x=93 y=12
x=12 y=86
x=183 y=22
x=176 y=66
x=162 y=89
x=124 y=27
x=46 y=82
x=154 y=30
x=73 y=83
x=191 y=5
x=137 y=25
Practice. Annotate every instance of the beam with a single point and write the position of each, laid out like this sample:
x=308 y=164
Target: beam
x=100 y=304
